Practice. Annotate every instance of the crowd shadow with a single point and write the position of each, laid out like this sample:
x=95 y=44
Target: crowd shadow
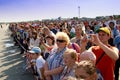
x=15 y=71
x=10 y=50
x=13 y=63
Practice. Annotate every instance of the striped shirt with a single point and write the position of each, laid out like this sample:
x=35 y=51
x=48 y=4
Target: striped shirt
x=55 y=61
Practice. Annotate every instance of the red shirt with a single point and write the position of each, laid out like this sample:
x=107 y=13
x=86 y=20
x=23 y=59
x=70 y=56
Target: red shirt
x=105 y=65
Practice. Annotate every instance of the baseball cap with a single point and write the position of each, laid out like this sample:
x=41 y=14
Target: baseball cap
x=104 y=29
x=35 y=50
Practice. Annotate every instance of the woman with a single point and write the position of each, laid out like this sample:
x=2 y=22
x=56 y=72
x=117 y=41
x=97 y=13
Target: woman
x=47 y=31
x=48 y=46
x=54 y=64
x=34 y=40
x=78 y=35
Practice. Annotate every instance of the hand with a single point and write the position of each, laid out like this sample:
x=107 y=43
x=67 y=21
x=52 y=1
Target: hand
x=48 y=77
x=46 y=73
x=83 y=43
x=84 y=40
x=95 y=39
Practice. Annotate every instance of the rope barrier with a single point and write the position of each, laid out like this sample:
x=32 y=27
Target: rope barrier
x=20 y=45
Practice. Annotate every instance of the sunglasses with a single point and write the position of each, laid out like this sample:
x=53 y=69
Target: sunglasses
x=61 y=41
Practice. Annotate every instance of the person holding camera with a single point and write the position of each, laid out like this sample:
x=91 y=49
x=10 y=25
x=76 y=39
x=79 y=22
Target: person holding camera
x=106 y=55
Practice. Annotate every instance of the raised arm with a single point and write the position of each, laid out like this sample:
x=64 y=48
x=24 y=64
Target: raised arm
x=112 y=52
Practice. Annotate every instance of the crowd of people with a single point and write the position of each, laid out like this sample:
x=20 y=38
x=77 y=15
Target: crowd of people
x=70 y=49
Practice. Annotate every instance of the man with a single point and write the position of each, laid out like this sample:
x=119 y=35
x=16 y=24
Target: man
x=35 y=52
x=106 y=55
x=114 y=30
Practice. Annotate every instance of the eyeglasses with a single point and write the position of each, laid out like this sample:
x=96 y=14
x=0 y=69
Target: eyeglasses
x=61 y=41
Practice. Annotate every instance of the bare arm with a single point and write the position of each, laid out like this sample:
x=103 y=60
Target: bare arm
x=46 y=69
x=45 y=45
x=111 y=52
x=57 y=70
x=42 y=73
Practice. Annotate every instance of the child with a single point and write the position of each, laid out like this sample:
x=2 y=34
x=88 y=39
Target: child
x=35 y=52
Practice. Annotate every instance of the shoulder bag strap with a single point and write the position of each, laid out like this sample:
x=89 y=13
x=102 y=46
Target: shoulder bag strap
x=100 y=58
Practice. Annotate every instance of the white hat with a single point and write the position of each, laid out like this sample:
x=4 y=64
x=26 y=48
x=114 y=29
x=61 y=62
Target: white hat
x=35 y=50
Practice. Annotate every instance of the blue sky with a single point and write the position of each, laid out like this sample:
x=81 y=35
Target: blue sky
x=24 y=10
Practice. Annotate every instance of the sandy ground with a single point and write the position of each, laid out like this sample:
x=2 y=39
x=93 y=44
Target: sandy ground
x=11 y=62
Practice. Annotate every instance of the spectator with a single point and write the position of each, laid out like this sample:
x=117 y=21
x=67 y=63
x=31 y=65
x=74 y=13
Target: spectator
x=34 y=40
x=36 y=51
x=76 y=47
x=51 y=26
x=78 y=35
x=88 y=55
x=86 y=70
x=117 y=64
x=21 y=38
x=106 y=54
x=66 y=31
x=111 y=19
x=54 y=64
x=89 y=31
x=114 y=30
x=69 y=57
x=72 y=32
x=118 y=26
x=47 y=31
x=73 y=45
x=49 y=45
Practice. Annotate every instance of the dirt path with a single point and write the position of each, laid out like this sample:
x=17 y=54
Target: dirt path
x=11 y=62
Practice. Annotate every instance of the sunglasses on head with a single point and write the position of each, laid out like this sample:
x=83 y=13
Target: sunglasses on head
x=61 y=41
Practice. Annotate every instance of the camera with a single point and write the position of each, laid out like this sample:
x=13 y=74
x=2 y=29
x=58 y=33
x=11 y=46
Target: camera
x=88 y=37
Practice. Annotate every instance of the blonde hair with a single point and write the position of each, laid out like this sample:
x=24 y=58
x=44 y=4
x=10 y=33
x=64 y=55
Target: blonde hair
x=72 y=53
x=88 y=66
x=45 y=28
x=64 y=36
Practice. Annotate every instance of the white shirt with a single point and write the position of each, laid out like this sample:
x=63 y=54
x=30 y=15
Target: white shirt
x=39 y=64
x=34 y=43
x=72 y=30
